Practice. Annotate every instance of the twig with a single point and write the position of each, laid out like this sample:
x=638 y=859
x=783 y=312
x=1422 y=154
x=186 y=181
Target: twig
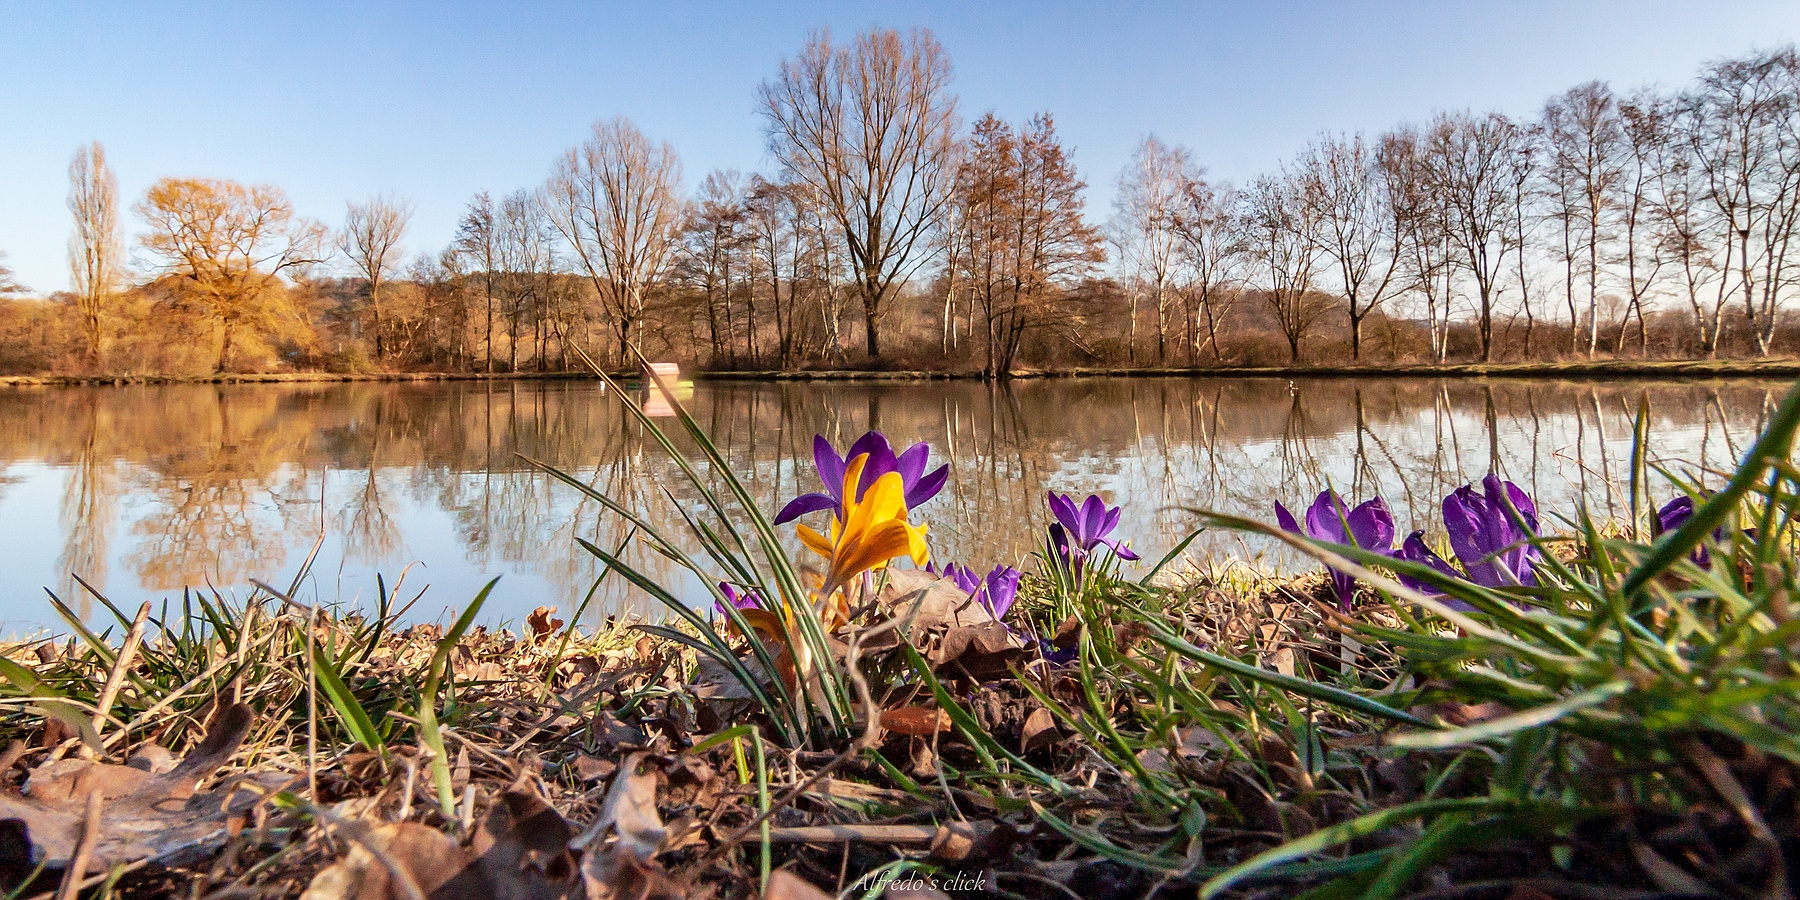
x=867 y=834
x=90 y=835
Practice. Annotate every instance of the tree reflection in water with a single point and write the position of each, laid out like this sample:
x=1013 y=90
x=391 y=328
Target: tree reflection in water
x=160 y=488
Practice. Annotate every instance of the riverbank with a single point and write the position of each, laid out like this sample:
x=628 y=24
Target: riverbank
x=1577 y=370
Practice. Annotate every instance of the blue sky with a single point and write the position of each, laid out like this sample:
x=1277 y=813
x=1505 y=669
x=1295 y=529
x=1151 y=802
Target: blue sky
x=435 y=102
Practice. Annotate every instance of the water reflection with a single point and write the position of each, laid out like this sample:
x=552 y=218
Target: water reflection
x=146 y=490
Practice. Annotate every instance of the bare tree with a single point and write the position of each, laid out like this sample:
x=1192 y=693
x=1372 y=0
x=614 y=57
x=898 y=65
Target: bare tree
x=1744 y=133
x=1467 y=160
x=1283 y=233
x=616 y=199
x=870 y=127
x=9 y=283
x=1420 y=227
x=1143 y=227
x=1019 y=204
x=477 y=241
x=96 y=247
x=1586 y=143
x=371 y=241
x=1210 y=246
x=1340 y=178
x=525 y=242
x=1644 y=122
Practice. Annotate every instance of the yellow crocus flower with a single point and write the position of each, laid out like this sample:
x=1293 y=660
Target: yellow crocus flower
x=873 y=532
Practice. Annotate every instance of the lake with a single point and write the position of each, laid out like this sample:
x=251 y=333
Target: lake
x=146 y=490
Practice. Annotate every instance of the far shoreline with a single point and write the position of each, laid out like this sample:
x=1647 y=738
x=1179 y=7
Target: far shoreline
x=1579 y=370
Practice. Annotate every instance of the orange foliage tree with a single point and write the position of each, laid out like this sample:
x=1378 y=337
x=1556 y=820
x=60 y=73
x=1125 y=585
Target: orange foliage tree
x=228 y=247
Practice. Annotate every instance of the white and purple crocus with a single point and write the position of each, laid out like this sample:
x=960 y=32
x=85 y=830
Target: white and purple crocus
x=1369 y=526
x=920 y=485
x=1079 y=531
x=1490 y=533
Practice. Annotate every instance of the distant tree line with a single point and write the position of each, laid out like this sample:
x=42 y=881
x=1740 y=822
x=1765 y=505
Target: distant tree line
x=890 y=233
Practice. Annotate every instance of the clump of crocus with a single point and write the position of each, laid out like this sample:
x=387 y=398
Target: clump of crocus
x=1369 y=526
x=917 y=485
x=1490 y=534
x=1079 y=532
x=995 y=593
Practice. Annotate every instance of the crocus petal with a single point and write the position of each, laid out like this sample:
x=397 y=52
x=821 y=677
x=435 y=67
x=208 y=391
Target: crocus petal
x=814 y=541
x=1372 y=525
x=911 y=463
x=1325 y=518
x=830 y=466
x=1286 y=519
x=803 y=504
x=1110 y=522
x=1122 y=551
x=1674 y=514
x=1467 y=522
x=1093 y=519
x=881 y=460
x=1414 y=549
x=1002 y=588
x=1064 y=510
x=964 y=577
x=927 y=486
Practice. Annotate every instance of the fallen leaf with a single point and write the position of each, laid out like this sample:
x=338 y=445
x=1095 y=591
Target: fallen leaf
x=1039 y=730
x=147 y=816
x=617 y=850
x=519 y=852
x=985 y=651
x=542 y=624
x=425 y=856
x=918 y=721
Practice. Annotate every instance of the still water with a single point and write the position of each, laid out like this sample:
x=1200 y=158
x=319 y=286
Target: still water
x=147 y=490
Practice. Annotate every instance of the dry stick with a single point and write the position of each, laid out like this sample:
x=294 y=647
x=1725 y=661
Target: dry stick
x=84 y=851
x=116 y=678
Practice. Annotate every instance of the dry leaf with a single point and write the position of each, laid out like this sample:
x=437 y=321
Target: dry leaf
x=541 y=624
x=915 y=720
x=148 y=816
x=618 y=848
x=1039 y=730
x=520 y=852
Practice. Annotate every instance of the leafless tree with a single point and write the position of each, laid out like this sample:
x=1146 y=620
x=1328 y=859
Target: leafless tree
x=96 y=247
x=1467 y=159
x=526 y=247
x=1019 y=204
x=1282 y=232
x=9 y=283
x=714 y=235
x=870 y=127
x=616 y=200
x=1420 y=227
x=1644 y=124
x=477 y=242
x=1340 y=178
x=1585 y=139
x=371 y=240
x=1743 y=123
x=1211 y=248
x=1143 y=227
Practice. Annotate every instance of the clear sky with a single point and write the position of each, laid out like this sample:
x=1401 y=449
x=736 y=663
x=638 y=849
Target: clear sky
x=437 y=101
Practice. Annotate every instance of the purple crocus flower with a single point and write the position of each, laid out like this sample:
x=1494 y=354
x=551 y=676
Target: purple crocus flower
x=1079 y=531
x=740 y=599
x=996 y=592
x=1485 y=537
x=1675 y=514
x=920 y=485
x=1369 y=526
